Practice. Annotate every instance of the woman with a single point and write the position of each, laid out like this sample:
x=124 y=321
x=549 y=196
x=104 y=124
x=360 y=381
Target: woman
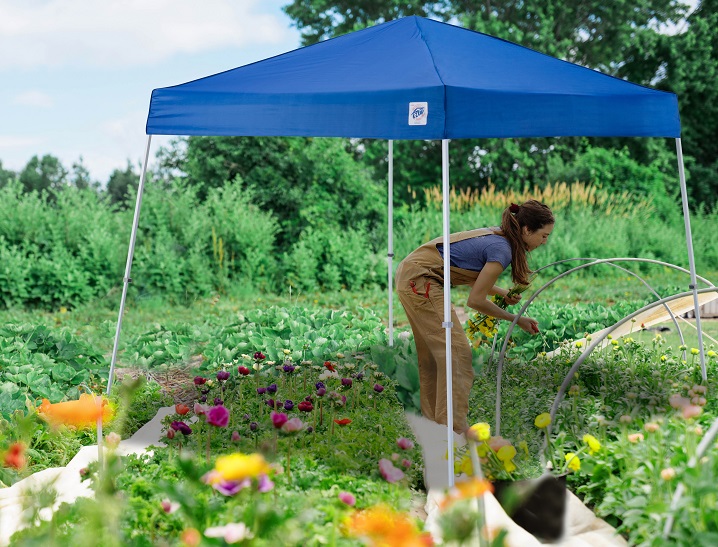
x=477 y=259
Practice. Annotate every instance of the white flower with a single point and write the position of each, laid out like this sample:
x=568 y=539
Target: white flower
x=231 y=533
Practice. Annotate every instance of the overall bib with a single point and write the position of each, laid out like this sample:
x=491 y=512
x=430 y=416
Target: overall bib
x=420 y=286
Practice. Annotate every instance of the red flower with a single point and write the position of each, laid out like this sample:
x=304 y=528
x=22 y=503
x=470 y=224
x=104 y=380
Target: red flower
x=329 y=365
x=181 y=409
x=305 y=406
x=244 y=371
x=15 y=456
x=343 y=422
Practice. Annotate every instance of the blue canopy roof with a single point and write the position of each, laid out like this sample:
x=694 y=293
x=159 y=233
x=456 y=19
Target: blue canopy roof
x=413 y=78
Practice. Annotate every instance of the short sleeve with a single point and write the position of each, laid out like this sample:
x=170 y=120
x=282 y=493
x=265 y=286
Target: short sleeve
x=498 y=252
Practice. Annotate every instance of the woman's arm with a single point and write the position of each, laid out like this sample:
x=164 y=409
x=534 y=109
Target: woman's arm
x=479 y=297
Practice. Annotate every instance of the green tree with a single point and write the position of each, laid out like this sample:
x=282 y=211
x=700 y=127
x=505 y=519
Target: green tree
x=121 y=185
x=302 y=181
x=45 y=174
x=80 y=176
x=6 y=176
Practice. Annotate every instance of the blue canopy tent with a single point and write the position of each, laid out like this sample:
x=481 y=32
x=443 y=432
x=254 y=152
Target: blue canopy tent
x=413 y=78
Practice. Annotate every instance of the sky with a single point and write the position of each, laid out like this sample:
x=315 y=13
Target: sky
x=76 y=75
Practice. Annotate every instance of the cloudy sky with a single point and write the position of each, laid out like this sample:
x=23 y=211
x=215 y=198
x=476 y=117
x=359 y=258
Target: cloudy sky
x=76 y=75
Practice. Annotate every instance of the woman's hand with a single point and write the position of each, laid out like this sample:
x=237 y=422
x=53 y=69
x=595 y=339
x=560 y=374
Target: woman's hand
x=511 y=300
x=529 y=325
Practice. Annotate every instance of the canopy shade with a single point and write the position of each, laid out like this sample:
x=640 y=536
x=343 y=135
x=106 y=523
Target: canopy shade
x=413 y=78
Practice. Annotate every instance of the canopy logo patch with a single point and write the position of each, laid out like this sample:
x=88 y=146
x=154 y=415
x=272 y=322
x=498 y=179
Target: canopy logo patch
x=418 y=113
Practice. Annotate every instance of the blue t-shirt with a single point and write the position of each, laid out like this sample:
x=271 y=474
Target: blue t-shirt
x=473 y=253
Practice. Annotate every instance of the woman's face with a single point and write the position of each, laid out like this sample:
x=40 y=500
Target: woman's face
x=534 y=240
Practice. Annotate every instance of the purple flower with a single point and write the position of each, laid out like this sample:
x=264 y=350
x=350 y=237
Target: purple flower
x=254 y=426
x=230 y=488
x=310 y=429
x=205 y=391
x=222 y=375
x=320 y=385
x=288 y=405
x=218 y=416
x=389 y=472
x=270 y=403
x=198 y=380
x=272 y=388
x=264 y=484
x=378 y=388
x=347 y=382
x=203 y=399
x=181 y=427
x=261 y=390
x=218 y=401
x=321 y=392
x=247 y=417
x=279 y=419
x=359 y=376
x=288 y=368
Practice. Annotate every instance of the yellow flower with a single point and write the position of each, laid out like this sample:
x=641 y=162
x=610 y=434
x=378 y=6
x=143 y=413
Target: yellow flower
x=480 y=431
x=574 y=464
x=523 y=445
x=464 y=466
x=237 y=467
x=506 y=453
x=542 y=421
x=592 y=442
x=509 y=466
x=694 y=351
x=711 y=354
x=482 y=450
x=579 y=344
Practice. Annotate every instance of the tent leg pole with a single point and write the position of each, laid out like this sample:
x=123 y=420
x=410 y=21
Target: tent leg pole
x=128 y=265
x=390 y=253
x=691 y=256
x=447 y=324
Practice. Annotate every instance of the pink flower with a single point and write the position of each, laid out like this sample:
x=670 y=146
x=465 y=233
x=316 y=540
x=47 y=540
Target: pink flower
x=691 y=411
x=264 y=484
x=635 y=437
x=405 y=463
x=495 y=443
x=231 y=533
x=346 y=497
x=235 y=436
x=218 y=416
x=404 y=443
x=700 y=389
x=199 y=410
x=169 y=506
x=279 y=419
x=651 y=427
x=292 y=426
x=230 y=488
x=389 y=472
x=678 y=402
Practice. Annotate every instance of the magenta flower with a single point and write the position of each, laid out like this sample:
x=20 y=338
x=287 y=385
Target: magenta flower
x=404 y=443
x=218 y=416
x=389 y=472
x=347 y=498
x=347 y=382
x=279 y=419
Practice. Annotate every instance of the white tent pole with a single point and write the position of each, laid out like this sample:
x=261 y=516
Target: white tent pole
x=128 y=265
x=390 y=253
x=691 y=257
x=447 y=324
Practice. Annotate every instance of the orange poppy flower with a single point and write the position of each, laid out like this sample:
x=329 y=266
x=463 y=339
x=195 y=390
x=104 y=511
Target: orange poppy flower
x=329 y=366
x=343 y=422
x=81 y=413
x=181 y=409
x=384 y=527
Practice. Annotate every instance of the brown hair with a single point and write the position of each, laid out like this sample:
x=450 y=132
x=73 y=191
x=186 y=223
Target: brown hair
x=532 y=214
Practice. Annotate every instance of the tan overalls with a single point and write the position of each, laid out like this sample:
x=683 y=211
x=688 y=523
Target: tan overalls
x=420 y=286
